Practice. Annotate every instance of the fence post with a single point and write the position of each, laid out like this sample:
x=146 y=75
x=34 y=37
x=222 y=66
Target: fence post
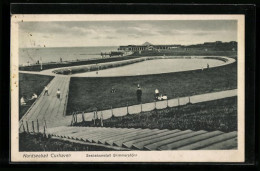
x=72 y=119
x=27 y=127
x=94 y=118
x=155 y=105
x=112 y=112
x=83 y=119
x=189 y=99
x=44 y=130
x=45 y=123
x=38 y=127
x=167 y=103
x=178 y=101
x=33 y=127
x=101 y=119
x=127 y=109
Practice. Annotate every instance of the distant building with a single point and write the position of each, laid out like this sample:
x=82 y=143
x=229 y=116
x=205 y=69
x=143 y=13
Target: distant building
x=207 y=46
x=146 y=46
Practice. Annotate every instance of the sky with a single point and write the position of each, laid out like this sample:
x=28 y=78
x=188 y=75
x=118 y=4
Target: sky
x=116 y=33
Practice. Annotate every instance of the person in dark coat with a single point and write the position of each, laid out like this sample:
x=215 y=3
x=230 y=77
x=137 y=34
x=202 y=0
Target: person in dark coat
x=139 y=94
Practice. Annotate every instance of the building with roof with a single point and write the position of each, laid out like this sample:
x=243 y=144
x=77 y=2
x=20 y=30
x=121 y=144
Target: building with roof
x=146 y=46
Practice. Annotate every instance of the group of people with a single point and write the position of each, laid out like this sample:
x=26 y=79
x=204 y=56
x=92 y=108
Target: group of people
x=203 y=67
x=23 y=101
x=46 y=91
x=158 y=96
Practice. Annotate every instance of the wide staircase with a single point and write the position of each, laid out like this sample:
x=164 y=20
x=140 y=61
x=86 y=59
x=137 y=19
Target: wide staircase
x=148 y=139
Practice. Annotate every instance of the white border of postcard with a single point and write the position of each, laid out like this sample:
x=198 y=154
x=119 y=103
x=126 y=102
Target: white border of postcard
x=128 y=156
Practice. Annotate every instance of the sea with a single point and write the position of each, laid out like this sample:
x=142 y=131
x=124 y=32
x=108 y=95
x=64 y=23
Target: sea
x=53 y=54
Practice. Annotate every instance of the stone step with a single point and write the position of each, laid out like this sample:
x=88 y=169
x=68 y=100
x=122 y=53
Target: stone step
x=156 y=145
x=190 y=140
x=149 y=139
x=140 y=145
x=205 y=143
x=119 y=143
x=129 y=144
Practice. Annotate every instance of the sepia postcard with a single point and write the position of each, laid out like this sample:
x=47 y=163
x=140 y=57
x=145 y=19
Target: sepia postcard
x=127 y=88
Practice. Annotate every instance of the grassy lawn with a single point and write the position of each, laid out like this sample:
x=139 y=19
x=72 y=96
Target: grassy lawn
x=213 y=115
x=28 y=142
x=87 y=93
x=29 y=84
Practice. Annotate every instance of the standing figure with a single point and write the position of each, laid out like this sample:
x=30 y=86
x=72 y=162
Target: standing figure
x=139 y=94
x=58 y=94
x=46 y=90
x=113 y=90
x=156 y=94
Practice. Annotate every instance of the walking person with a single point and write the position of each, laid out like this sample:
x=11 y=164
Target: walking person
x=139 y=94
x=58 y=94
x=46 y=90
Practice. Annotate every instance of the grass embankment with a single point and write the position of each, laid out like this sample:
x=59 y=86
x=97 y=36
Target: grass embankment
x=210 y=116
x=190 y=52
x=37 y=142
x=29 y=84
x=87 y=93
x=74 y=63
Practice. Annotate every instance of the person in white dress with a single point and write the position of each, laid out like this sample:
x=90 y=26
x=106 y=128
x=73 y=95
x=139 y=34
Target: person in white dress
x=22 y=101
x=58 y=94
x=46 y=90
x=34 y=96
x=164 y=97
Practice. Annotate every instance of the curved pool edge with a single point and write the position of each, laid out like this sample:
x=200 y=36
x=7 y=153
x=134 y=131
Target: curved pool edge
x=52 y=72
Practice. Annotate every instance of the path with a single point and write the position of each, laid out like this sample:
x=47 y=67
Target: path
x=49 y=107
x=135 y=109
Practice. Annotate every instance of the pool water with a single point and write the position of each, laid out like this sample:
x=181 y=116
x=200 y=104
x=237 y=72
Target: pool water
x=156 y=66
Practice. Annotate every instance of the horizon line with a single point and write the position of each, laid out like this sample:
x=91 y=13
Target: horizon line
x=122 y=45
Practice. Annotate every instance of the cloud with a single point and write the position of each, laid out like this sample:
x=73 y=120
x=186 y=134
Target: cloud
x=138 y=31
x=46 y=36
x=111 y=37
x=134 y=35
x=125 y=32
x=54 y=28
